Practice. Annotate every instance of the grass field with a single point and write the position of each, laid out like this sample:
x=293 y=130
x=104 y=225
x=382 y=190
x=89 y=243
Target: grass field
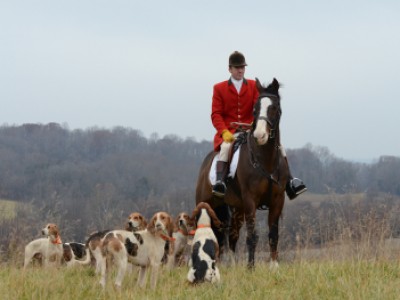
x=353 y=279
x=365 y=267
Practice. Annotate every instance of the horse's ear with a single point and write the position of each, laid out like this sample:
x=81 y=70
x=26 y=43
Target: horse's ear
x=259 y=86
x=275 y=85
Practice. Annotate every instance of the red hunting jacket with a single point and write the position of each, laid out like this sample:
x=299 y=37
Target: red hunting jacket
x=229 y=106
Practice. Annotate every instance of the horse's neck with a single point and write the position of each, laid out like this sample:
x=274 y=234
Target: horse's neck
x=268 y=154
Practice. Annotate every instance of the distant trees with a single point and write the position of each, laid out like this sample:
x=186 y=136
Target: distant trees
x=325 y=173
x=96 y=177
x=39 y=160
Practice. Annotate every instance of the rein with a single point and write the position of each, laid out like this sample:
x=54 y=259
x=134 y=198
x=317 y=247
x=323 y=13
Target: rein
x=256 y=164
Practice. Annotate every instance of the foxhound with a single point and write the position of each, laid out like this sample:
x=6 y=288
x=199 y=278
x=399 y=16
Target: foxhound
x=143 y=248
x=205 y=249
x=49 y=248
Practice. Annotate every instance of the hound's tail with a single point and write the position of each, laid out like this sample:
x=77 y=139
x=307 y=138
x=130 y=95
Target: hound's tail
x=87 y=258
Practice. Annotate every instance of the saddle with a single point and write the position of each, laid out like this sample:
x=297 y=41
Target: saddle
x=242 y=130
x=241 y=139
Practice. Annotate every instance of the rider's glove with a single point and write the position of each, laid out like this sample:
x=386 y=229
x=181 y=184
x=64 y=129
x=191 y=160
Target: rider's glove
x=227 y=136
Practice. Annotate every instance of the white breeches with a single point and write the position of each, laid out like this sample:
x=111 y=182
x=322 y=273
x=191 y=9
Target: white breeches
x=224 y=152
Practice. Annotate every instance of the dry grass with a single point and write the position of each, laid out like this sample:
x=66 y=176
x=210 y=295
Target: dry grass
x=356 y=258
x=317 y=279
x=7 y=209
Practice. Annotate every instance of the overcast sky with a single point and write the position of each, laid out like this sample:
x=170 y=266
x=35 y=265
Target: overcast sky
x=151 y=66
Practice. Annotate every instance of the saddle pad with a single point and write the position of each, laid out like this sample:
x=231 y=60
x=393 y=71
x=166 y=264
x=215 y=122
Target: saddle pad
x=232 y=168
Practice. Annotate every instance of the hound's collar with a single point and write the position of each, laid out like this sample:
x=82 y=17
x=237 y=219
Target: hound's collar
x=167 y=238
x=57 y=241
x=192 y=232
x=203 y=225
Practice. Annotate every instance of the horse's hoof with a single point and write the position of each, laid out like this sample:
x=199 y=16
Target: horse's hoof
x=273 y=266
x=251 y=267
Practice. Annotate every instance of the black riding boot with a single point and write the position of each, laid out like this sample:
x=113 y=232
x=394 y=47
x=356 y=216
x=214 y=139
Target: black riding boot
x=219 y=187
x=294 y=186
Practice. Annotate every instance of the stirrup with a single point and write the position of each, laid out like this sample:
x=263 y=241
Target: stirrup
x=219 y=189
x=295 y=187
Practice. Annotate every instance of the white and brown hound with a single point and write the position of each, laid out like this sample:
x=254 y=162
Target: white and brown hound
x=183 y=229
x=205 y=249
x=135 y=222
x=143 y=248
x=49 y=248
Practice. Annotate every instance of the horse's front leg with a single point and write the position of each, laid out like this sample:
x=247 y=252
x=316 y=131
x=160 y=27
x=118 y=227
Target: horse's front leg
x=252 y=237
x=273 y=238
x=236 y=223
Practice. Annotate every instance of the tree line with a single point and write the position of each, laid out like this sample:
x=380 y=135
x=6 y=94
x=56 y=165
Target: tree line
x=92 y=179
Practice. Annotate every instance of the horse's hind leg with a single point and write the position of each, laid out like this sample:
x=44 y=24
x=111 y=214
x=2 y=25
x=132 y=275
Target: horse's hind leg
x=224 y=215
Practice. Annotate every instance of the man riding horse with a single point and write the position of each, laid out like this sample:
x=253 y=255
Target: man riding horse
x=233 y=102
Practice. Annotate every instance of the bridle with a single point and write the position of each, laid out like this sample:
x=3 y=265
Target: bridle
x=273 y=124
x=273 y=177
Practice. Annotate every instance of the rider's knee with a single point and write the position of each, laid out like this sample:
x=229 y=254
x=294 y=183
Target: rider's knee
x=223 y=154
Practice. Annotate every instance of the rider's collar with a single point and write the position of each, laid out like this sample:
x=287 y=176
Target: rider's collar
x=230 y=81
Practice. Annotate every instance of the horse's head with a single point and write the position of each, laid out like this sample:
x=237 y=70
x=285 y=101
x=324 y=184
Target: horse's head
x=267 y=112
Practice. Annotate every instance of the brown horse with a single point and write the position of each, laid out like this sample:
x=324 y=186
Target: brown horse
x=259 y=182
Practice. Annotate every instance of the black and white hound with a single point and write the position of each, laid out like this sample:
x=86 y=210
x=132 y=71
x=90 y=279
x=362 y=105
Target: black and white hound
x=205 y=249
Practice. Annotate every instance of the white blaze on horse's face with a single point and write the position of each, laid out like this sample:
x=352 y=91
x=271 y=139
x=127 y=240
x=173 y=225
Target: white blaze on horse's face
x=260 y=133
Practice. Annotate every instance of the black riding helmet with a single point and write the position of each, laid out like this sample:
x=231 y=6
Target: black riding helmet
x=236 y=59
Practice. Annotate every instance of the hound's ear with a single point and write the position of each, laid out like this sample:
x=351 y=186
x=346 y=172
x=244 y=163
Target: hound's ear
x=259 y=86
x=56 y=230
x=214 y=218
x=176 y=221
x=151 y=227
x=191 y=222
x=170 y=226
x=127 y=226
x=194 y=214
x=144 y=223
